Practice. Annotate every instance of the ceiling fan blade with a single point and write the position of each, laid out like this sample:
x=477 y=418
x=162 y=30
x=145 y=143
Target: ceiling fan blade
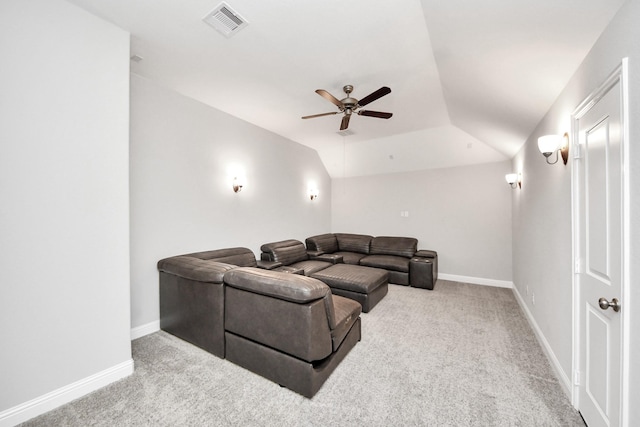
x=320 y=115
x=375 y=95
x=378 y=114
x=323 y=93
x=345 y=122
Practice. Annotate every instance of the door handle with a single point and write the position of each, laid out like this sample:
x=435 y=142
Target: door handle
x=614 y=304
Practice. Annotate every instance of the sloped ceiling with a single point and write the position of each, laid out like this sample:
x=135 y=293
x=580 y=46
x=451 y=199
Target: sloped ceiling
x=470 y=80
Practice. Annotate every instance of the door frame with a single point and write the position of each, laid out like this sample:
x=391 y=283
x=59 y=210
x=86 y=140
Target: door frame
x=619 y=75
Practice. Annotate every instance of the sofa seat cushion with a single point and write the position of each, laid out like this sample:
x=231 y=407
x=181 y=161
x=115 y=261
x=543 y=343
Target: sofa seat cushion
x=346 y=314
x=351 y=257
x=354 y=278
x=311 y=266
x=388 y=262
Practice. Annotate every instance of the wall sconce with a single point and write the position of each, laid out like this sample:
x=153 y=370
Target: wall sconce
x=549 y=144
x=313 y=193
x=238 y=183
x=514 y=180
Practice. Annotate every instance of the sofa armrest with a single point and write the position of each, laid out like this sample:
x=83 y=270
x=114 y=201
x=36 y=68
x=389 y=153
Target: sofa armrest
x=289 y=287
x=320 y=256
x=268 y=265
x=195 y=269
x=423 y=253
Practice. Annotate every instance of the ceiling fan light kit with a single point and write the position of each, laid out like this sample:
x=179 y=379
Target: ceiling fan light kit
x=348 y=106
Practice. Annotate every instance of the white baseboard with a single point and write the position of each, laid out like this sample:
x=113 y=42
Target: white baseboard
x=66 y=394
x=564 y=380
x=476 y=280
x=149 y=328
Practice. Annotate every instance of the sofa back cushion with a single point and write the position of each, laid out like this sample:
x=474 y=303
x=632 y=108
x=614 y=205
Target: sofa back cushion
x=359 y=243
x=286 y=252
x=398 y=246
x=242 y=257
x=195 y=269
x=325 y=243
x=288 y=312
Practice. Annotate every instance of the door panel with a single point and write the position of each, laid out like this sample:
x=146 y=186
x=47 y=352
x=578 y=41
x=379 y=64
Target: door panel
x=597 y=380
x=599 y=244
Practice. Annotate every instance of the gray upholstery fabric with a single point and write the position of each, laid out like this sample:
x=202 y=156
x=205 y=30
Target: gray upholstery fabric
x=352 y=277
x=351 y=257
x=346 y=315
x=193 y=310
x=292 y=313
x=290 y=287
x=298 y=375
x=398 y=278
x=388 y=262
x=397 y=246
x=300 y=330
x=194 y=268
x=192 y=295
x=363 y=284
x=354 y=242
x=311 y=266
x=323 y=243
x=367 y=301
x=242 y=257
x=286 y=251
x=423 y=253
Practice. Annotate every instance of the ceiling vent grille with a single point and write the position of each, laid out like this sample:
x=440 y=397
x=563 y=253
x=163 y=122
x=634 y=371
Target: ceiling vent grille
x=225 y=20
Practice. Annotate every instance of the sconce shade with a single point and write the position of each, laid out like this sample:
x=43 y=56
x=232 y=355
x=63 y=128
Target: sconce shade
x=514 y=180
x=549 y=143
x=238 y=183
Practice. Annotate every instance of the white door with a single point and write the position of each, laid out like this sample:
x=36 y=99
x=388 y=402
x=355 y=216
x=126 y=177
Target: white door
x=600 y=217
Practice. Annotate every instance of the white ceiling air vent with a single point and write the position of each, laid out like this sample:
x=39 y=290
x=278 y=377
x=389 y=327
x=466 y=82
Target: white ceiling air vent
x=225 y=20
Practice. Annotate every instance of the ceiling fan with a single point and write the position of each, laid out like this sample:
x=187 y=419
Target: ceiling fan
x=349 y=105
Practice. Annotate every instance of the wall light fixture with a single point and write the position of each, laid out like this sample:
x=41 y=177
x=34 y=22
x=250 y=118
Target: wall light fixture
x=238 y=183
x=313 y=193
x=549 y=144
x=514 y=180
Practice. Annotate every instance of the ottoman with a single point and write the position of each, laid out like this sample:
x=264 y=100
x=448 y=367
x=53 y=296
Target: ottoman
x=367 y=285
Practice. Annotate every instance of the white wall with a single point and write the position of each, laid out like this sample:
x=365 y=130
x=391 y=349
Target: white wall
x=64 y=297
x=542 y=256
x=181 y=196
x=464 y=213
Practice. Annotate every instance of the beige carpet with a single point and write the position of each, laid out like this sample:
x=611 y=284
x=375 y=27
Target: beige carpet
x=461 y=355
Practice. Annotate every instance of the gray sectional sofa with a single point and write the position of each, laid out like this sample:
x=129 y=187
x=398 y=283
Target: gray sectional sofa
x=285 y=327
x=398 y=255
x=293 y=315
x=364 y=284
